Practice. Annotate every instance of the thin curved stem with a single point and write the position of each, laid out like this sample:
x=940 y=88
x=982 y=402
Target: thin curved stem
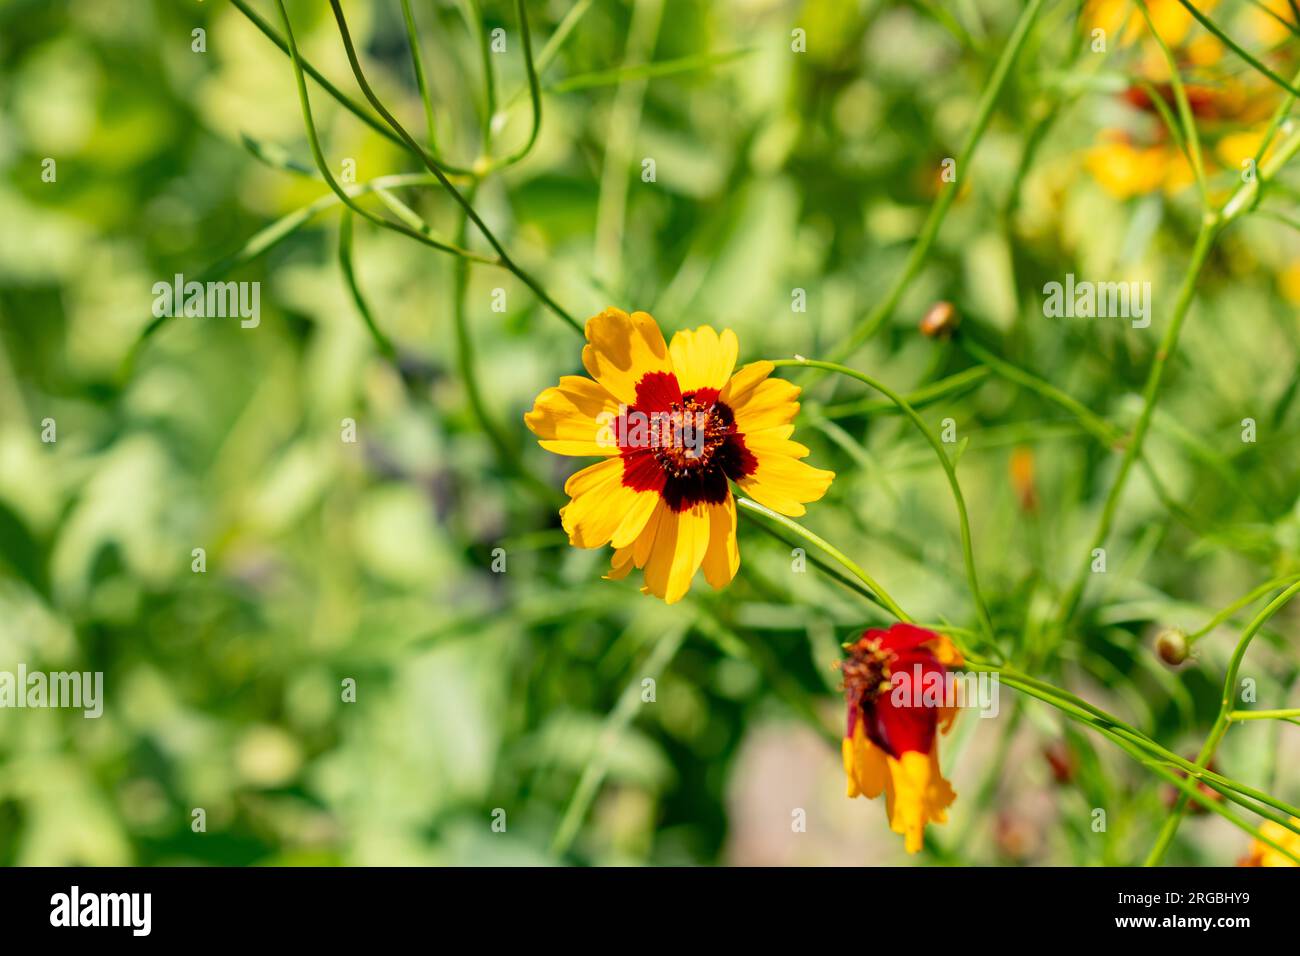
x=323 y=165
x=930 y=231
x=506 y=451
x=350 y=277
x=1134 y=741
x=949 y=471
x=827 y=548
x=1169 y=342
x=956 y=384
x=417 y=64
x=534 y=92
x=1238 y=49
x=1247 y=599
x=1221 y=723
x=276 y=232
x=433 y=167
x=616 y=722
x=1191 y=139
x=1288 y=714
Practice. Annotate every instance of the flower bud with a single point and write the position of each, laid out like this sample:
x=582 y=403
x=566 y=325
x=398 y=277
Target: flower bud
x=1171 y=645
x=940 y=320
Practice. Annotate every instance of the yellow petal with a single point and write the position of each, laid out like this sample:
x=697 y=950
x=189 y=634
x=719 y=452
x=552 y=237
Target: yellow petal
x=678 y=551
x=600 y=504
x=635 y=519
x=575 y=418
x=620 y=565
x=1124 y=171
x=644 y=544
x=743 y=382
x=780 y=481
x=920 y=795
x=723 y=556
x=864 y=764
x=703 y=359
x=622 y=349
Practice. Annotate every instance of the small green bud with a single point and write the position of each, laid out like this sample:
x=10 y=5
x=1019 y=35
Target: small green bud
x=1171 y=645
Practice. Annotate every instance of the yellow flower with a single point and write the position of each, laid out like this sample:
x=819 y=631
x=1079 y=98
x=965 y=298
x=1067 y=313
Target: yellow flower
x=1125 y=170
x=675 y=428
x=1171 y=19
x=1288 y=282
x=1261 y=854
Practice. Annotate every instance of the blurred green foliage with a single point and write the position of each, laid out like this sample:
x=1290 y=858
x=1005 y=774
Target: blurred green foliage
x=480 y=691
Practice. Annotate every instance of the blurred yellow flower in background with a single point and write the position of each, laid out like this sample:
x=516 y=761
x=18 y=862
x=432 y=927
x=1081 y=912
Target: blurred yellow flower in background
x=1261 y=854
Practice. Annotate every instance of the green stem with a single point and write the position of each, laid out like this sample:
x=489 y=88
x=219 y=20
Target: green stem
x=1250 y=598
x=432 y=166
x=1191 y=139
x=956 y=384
x=349 y=276
x=1168 y=343
x=417 y=64
x=1102 y=429
x=949 y=471
x=1238 y=48
x=854 y=585
x=1221 y=723
x=827 y=548
x=323 y=165
x=1105 y=432
x=593 y=774
x=1134 y=741
x=534 y=92
x=930 y=231
x=1287 y=714
x=276 y=232
x=506 y=451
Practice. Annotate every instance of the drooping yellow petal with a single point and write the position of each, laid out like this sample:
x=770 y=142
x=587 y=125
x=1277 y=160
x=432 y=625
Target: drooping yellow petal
x=703 y=359
x=678 y=551
x=622 y=349
x=620 y=565
x=575 y=418
x=917 y=794
x=864 y=764
x=644 y=544
x=600 y=503
x=723 y=555
x=636 y=518
x=692 y=544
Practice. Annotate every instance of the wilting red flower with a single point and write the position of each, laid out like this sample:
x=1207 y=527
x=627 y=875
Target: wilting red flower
x=891 y=743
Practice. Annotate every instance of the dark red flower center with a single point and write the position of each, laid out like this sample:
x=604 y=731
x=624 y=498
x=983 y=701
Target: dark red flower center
x=683 y=445
x=875 y=667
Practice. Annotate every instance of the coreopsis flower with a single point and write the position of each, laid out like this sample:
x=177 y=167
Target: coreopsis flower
x=1125 y=170
x=675 y=428
x=891 y=743
x=1146 y=159
x=1125 y=25
x=1261 y=854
